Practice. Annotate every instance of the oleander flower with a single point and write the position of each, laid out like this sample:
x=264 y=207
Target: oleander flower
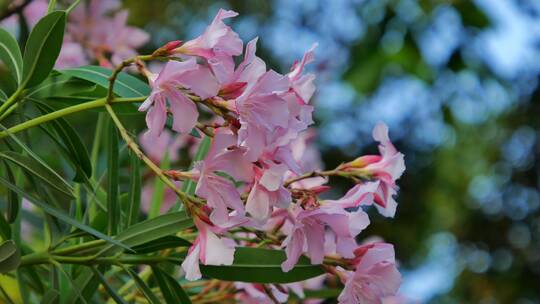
x=385 y=168
x=169 y=89
x=218 y=38
x=375 y=277
x=309 y=232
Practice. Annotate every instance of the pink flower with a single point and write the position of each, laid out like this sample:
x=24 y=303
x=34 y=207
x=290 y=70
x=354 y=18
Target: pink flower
x=165 y=144
x=217 y=38
x=123 y=41
x=219 y=191
x=208 y=248
x=268 y=191
x=234 y=81
x=376 y=275
x=167 y=87
x=303 y=85
x=255 y=293
x=71 y=55
x=261 y=111
x=309 y=232
x=385 y=168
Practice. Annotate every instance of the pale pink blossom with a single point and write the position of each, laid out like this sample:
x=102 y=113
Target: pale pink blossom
x=166 y=144
x=217 y=38
x=375 y=278
x=167 y=94
x=208 y=249
x=268 y=191
x=301 y=84
x=309 y=233
x=385 y=168
x=219 y=191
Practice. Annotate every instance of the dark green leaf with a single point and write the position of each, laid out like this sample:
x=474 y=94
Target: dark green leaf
x=143 y=288
x=51 y=297
x=110 y=290
x=61 y=86
x=10 y=256
x=38 y=170
x=3 y=96
x=75 y=148
x=62 y=216
x=151 y=229
x=172 y=292
x=113 y=207
x=166 y=242
x=260 y=265
x=13 y=202
x=125 y=85
x=42 y=48
x=10 y=54
x=5 y=229
x=135 y=186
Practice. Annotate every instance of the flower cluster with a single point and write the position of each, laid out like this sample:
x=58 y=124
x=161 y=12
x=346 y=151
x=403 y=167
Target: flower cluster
x=97 y=30
x=259 y=176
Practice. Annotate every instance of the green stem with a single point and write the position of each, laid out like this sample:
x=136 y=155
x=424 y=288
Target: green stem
x=66 y=111
x=186 y=199
x=11 y=100
x=48 y=258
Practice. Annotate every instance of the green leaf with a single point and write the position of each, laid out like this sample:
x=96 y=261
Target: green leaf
x=150 y=230
x=13 y=202
x=5 y=229
x=110 y=290
x=135 y=186
x=3 y=96
x=125 y=86
x=42 y=48
x=172 y=292
x=52 y=296
x=158 y=191
x=60 y=86
x=143 y=288
x=258 y=265
x=62 y=216
x=10 y=54
x=113 y=207
x=43 y=173
x=324 y=293
x=166 y=242
x=75 y=148
x=10 y=256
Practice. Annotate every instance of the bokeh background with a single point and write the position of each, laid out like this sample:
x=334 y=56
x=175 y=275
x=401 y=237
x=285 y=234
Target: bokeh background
x=457 y=83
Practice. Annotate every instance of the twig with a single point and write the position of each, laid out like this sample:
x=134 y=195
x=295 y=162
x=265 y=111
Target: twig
x=8 y=13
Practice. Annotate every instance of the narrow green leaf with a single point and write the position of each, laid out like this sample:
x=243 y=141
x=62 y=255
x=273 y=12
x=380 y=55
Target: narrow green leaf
x=110 y=290
x=113 y=207
x=75 y=148
x=5 y=229
x=135 y=186
x=10 y=54
x=10 y=256
x=143 y=288
x=13 y=202
x=42 y=48
x=61 y=86
x=62 y=216
x=172 y=291
x=3 y=96
x=150 y=230
x=34 y=168
x=166 y=242
x=158 y=193
x=51 y=297
x=258 y=265
x=125 y=86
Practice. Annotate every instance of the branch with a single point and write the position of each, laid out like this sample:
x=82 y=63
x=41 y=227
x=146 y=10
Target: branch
x=15 y=10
